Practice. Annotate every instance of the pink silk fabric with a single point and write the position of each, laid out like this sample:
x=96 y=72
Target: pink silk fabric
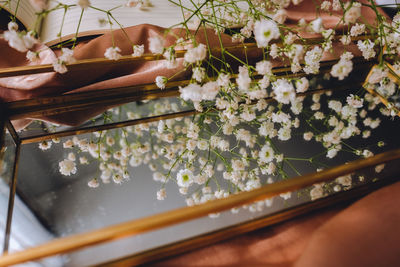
x=98 y=78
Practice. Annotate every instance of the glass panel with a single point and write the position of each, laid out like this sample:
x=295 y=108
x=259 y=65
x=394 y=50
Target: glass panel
x=129 y=111
x=128 y=168
x=7 y=158
x=128 y=246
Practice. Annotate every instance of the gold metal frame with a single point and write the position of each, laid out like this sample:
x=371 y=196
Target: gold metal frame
x=45 y=106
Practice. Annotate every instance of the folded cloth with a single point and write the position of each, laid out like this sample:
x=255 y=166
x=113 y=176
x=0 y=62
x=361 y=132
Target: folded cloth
x=106 y=77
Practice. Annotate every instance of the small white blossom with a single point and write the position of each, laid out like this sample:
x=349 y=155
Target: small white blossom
x=169 y=55
x=344 y=180
x=32 y=56
x=308 y=136
x=45 y=145
x=138 y=50
x=302 y=85
x=357 y=29
x=284 y=91
x=195 y=54
x=326 y=5
x=156 y=44
x=343 y=68
x=265 y=31
x=113 y=53
x=312 y=60
x=266 y=154
x=317 y=192
x=264 y=67
x=210 y=90
x=161 y=81
x=367 y=48
x=18 y=40
x=354 y=101
x=83 y=160
x=94 y=183
x=161 y=194
x=191 y=92
x=71 y=156
x=345 y=39
x=184 y=178
x=317 y=25
x=243 y=80
x=67 y=167
x=352 y=13
x=199 y=73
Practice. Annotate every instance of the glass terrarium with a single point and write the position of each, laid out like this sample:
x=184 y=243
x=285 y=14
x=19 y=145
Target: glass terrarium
x=243 y=134
x=135 y=168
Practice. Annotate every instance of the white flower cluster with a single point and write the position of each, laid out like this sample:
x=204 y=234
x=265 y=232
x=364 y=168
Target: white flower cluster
x=196 y=93
x=237 y=131
x=113 y=53
x=67 y=57
x=343 y=68
x=21 y=41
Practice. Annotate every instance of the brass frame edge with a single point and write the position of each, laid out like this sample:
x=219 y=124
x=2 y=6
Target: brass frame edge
x=188 y=245
x=130 y=228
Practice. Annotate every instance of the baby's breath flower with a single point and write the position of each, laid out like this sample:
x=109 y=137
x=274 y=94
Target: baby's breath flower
x=33 y=56
x=326 y=5
x=67 y=167
x=83 y=160
x=308 y=136
x=343 y=68
x=367 y=48
x=266 y=154
x=161 y=81
x=302 y=85
x=312 y=60
x=94 y=183
x=184 y=178
x=45 y=145
x=113 y=53
x=138 y=50
x=357 y=29
x=317 y=192
x=317 y=25
x=156 y=44
x=264 y=67
x=344 y=180
x=195 y=54
x=354 y=101
x=284 y=91
x=353 y=12
x=71 y=156
x=161 y=194
x=265 y=31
